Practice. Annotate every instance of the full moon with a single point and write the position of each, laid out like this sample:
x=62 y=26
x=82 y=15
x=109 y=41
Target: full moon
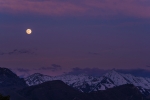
x=28 y=31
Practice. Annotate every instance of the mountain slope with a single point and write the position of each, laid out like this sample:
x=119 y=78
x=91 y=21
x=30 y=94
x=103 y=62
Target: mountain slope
x=57 y=90
x=10 y=83
x=123 y=92
x=143 y=84
x=52 y=90
x=85 y=83
x=82 y=82
x=37 y=78
x=108 y=87
x=10 y=79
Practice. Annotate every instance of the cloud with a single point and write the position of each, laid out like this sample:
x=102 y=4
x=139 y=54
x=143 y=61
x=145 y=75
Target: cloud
x=93 y=53
x=100 y=72
x=88 y=71
x=136 y=72
x=53 y=67
x=23 y=70
x=47 y=7
x=2 y=53
x=38 y=0
x=96 y=8
x=17 y=52
x=56 y=66
x=147 y=66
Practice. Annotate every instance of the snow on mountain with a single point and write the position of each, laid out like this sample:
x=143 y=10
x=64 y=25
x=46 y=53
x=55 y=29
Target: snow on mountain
x=81 y=82
x=117 y=78
x=37 y=78
x=120 y=79
x=87 y=83
x=138 y=81
x=143 y=84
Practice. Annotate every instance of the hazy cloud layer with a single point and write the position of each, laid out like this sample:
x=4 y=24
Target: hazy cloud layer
x=100 y=72
x=17 y=52
x=136 y=72
x=53 y=67
x=147 y=66
x=104 y=8
x=93 y=53
x=23 y=70
x=88 y=71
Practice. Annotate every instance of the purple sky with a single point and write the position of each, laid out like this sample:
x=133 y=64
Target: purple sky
x=69 y=34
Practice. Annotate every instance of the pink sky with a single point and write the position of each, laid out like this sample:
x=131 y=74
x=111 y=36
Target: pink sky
x=101 y=34
x=95 y=8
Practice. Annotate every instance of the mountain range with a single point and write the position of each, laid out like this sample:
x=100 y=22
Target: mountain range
x=111 y=86
x=58 y=90
x=85 y=83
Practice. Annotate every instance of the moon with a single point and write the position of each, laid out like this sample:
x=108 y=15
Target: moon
x=28 y=31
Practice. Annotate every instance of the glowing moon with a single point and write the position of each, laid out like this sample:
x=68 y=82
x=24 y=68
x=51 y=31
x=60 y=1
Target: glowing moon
x=28 y=31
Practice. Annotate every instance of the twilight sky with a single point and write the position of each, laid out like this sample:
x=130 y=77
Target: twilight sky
x=73 y=35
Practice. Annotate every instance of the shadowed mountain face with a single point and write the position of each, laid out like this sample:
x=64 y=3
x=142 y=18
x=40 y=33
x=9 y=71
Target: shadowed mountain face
x=10 y=83
x=123 y=92
x=10 y=79
x=4 y=97
x=57 y=90
x=52 y=90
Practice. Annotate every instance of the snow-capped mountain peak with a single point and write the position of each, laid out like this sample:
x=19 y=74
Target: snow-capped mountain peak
x=37 y=78
x=87 y=83
x=116 y=77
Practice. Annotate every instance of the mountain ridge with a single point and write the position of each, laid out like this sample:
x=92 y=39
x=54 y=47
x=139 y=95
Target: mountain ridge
x=111 y=86
x=58 y=90
x=85 y=83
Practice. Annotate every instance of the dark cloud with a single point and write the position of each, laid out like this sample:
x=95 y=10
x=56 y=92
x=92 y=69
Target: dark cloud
x=17 y=52
x=38 y=0
x=136 y=72
x=147 y=66
x=23 y=70
x=2 y=53
x=100 y=72
x=88 y=71
x=56 y=66
x=93 y=53
x=53 y=67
